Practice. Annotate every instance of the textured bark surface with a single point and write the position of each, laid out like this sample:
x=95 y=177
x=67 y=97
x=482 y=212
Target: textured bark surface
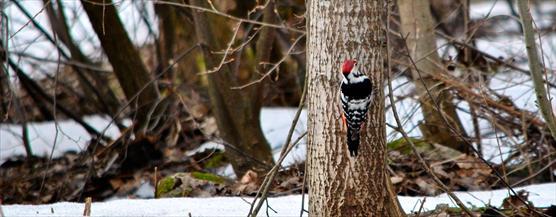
x=417 y=25
x=341 y=185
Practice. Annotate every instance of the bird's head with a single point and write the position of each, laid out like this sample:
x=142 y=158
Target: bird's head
x=348 y=66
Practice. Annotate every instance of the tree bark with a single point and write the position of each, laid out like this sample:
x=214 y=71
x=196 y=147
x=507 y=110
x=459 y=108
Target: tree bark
x=417 y=25
x=340 y=185
x=124 y=58
x=236 y=116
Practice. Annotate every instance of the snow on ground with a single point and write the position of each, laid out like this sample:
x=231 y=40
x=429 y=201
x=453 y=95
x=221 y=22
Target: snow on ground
x=542 y=195
x=275 y=123
x=71 y=137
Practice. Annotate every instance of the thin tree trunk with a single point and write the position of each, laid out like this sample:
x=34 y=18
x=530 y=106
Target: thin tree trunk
x=176 y=34
x=536 y=67
x=417 y=25
x=340 y=185
x=5 y=93
x=124 y=58
x=264 y=51
x=237 y=119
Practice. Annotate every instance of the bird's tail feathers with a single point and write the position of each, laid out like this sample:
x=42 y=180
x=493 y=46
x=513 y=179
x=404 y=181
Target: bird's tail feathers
x=353 y=142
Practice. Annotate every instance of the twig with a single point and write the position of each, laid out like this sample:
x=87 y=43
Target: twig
x=33 y=86
x=273 y=67
x=268 y=207
x=303 y=191
x=267 y=182
x=437 y=107
x=470 y=95
x=410 y=141
x=122 y=109
x=230 y=16
x=535 y=66
x=534 y=174
x=421 y=207
x=70 y=62
x=265 y=186
x=474 y=49
x=230 y=43
x=493 y=58
x=420 y=158
x=155 y=181
x=56 y=124
x=225 y=144
x=31 y=19
x=86 y=83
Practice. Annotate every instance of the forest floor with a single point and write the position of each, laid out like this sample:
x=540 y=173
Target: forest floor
x=223 y=195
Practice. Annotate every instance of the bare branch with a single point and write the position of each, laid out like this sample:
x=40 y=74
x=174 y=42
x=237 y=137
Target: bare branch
x=265 y=186
x=273 y=67
x=414 y=149
x=230 y=43
x=230 y=16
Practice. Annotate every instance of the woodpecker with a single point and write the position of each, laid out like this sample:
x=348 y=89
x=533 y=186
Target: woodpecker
x=356 y=95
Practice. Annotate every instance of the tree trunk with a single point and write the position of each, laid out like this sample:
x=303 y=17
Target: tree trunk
x=417 y=24
x=449 y=16
x=176 y=34
x=124 y=58
x=537 y=69
x=5 y=93
x=93 y=84
x=340 y=185
x=236 y=115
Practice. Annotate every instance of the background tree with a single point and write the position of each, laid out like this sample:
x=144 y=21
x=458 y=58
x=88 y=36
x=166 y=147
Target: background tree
x=236 y=111
x=92 y=83
x=417 y=25
x=536 y=66
x=133 y=76
x=341 y=185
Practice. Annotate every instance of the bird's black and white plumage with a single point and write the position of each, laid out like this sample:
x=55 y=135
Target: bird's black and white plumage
x=356 y=95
